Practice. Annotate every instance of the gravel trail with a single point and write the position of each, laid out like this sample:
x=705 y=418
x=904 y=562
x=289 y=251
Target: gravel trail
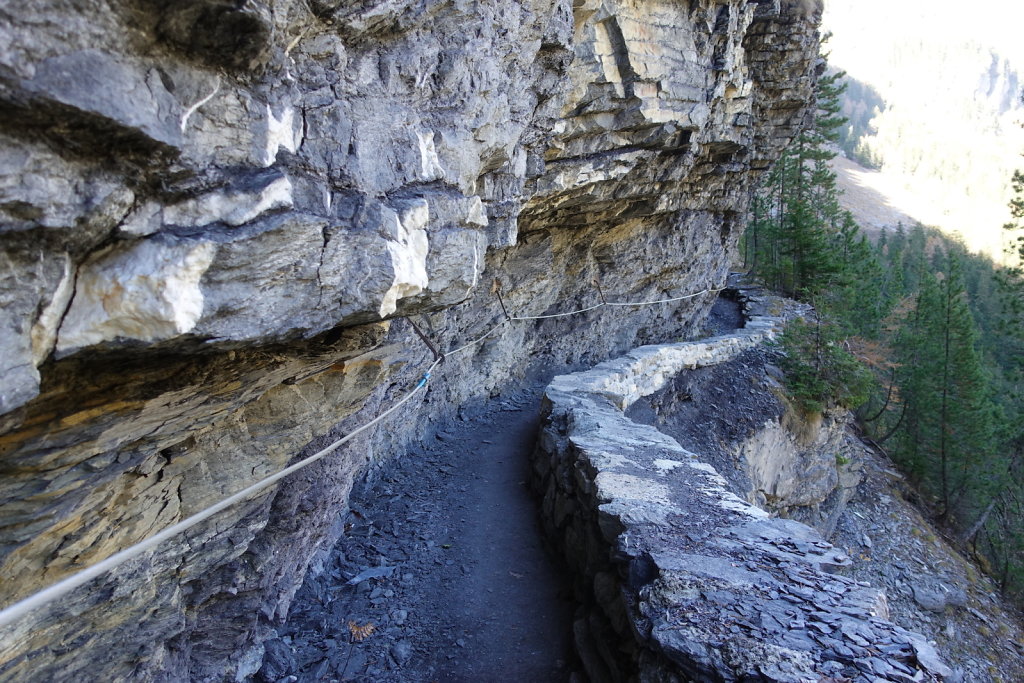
x=443 y=556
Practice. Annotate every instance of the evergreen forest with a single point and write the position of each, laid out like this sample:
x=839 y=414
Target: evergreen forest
x=921 y=338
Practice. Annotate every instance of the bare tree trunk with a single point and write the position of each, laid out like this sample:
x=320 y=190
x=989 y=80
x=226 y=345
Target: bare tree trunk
x=968 y=537
x=888 y=397
x=894 y=427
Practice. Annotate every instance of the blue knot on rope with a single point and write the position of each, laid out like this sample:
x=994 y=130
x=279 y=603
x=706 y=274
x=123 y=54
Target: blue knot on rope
x=423 y=381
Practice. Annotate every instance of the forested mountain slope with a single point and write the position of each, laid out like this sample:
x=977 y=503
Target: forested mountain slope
x=934 y=102
x=919 y=335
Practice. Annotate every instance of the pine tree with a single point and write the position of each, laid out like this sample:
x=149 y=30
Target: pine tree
x=949 y=426
x=796 y=216
x=856 y=297
x=759 y=231
x=819 y=370
x=891 y=288
x=1010 y=281
x=915 y=258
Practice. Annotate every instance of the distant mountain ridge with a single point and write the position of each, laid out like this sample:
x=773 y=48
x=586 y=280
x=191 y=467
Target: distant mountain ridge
x=936 y=106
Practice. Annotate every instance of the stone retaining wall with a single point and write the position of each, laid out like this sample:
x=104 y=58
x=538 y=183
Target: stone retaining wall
x=679 y=579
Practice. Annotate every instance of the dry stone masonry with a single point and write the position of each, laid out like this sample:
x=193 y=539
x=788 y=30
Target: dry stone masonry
x=214 y=215
x=680 y=578
x=736 y=414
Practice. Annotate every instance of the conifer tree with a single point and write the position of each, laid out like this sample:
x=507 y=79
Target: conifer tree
x=948 y=432
x=797 y=215
x=1010 y=281
x=856 y=296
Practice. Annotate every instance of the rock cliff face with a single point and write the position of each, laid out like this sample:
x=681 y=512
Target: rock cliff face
x=213 y=216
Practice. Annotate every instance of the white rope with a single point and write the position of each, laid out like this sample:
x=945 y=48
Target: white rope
x=615 y=303
x=64 y=586
x=19 y=609
x=477 y=340
x=554 y=315
x=663 y=301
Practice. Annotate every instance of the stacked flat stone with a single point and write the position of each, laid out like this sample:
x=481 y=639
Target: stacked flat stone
x=681 y=580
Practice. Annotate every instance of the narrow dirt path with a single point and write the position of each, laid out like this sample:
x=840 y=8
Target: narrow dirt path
x=443 y=556
x=515 y=625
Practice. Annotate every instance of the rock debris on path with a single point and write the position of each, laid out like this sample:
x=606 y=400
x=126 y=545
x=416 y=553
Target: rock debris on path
x=442 y=555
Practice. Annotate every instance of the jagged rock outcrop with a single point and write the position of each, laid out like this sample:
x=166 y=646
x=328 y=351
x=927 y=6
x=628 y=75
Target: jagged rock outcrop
x=213 y=214
x=679 y=578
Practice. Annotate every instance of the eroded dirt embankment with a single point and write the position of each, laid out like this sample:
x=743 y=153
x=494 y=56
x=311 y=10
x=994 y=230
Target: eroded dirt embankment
x=930 y=586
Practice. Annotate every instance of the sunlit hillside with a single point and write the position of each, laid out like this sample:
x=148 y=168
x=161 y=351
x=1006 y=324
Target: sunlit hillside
x=948 y=134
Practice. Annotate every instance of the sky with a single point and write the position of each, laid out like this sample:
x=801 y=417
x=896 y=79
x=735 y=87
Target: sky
x=997 y=23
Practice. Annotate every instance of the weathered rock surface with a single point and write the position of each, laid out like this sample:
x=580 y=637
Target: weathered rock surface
x=679 y=577
x=210 y=213
x=736 y=415
x=930 y=587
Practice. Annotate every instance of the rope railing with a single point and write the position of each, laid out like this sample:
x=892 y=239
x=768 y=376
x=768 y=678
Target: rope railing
x=19 y=609
x=661 y=301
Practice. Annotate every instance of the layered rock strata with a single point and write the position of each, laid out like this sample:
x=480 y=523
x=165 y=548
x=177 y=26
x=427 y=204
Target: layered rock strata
x=212 y=215
x=679 y=578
